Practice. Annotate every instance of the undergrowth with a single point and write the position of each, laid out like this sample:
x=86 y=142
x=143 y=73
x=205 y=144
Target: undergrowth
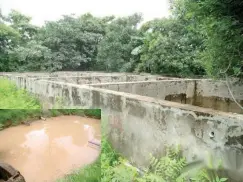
x=11 y=117
x=169 y=168
x=16 y=104
x=89 y=173
x=14 y=98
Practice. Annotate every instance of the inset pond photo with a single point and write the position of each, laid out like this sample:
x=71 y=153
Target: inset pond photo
x=57 y=145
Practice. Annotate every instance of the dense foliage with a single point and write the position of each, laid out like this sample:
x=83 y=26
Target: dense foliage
x=115 y=49
x=220 y=23
x=200 y=37
x=171 y=167
x=170 y=48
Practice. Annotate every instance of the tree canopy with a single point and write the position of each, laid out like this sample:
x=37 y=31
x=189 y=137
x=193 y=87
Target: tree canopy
x=202 y=37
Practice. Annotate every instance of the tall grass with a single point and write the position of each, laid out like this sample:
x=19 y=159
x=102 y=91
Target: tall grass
x=14 y=98
x=16 y=104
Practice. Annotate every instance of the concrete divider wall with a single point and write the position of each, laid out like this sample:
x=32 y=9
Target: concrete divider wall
x=198 y=92
x=157 y=89
x=140 y=125
x=68 y=73
x=100 y=79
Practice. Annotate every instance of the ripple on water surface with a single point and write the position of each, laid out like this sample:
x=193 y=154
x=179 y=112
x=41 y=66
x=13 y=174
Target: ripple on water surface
x=46 y=150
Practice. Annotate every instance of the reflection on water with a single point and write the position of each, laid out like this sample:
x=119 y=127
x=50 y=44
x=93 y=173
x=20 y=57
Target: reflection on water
x=46 y=150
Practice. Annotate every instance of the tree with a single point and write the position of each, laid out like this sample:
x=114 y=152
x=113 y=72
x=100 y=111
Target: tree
x=15 y=31
x=21 y=23
x=115 y=49
x=73 y=41
x=170 y=48
x=32 y=57
x=220 y=23
x=9 y=38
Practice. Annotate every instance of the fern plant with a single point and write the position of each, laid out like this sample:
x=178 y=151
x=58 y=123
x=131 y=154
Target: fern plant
x=206 y=175
x=170 y=168
x=167 y=168
x=209 y=174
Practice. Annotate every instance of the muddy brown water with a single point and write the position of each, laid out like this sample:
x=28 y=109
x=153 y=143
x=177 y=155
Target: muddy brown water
x=47 y=150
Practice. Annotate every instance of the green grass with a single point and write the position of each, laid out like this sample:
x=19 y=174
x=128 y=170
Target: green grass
x=11 y=117
x=16 y=104
x=13 y=98
x=89 y=173
x=94 y=113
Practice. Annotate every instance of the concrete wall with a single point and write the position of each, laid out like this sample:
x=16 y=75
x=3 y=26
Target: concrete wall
x=70 y=73
x=157 y=89
x=99 y=79
x=140 y=125
x=60 y=74
x=198 y=92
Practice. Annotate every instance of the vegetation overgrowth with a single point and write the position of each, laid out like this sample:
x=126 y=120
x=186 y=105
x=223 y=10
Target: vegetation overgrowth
x=172 y=167
x=16 y=104
x=199 y=38
x=14 y=98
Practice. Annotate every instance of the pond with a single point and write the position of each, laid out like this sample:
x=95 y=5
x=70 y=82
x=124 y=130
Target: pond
x=49 y=149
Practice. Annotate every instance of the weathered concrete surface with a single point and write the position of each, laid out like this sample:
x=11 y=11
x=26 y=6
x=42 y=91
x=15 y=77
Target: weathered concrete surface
x=59 y=74
x=66 y=73
x=100 y=79
x=139 y=125
x=204 y=93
